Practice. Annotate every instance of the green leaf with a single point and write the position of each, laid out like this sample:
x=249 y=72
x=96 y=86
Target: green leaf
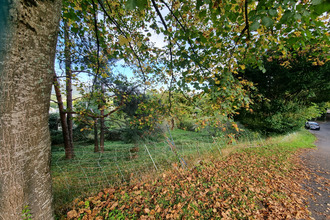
x=316 y=2
x=297 y=16
x=308 y=34
x=131 y=4
x=74 y=30
x=199 y=4
x=266 y=21
x=321 y=8
x=87 y=204
x=142 y=4
x=202 y=14
x=306 y=13
x=286 y=16
x=272 y=12
x=254 y=26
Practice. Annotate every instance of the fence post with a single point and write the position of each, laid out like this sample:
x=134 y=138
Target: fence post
x=151 y=157
x=121 y=173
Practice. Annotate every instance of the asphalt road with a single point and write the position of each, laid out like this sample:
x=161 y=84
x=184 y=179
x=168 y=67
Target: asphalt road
x=317 y=161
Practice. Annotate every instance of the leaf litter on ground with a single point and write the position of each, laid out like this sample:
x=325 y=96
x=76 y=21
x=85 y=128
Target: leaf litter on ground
x=254 y=183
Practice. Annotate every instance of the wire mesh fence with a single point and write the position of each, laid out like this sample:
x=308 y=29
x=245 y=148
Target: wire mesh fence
x=122 y=163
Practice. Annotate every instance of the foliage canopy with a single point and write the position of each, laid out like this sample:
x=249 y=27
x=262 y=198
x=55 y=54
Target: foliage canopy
x=204 y=43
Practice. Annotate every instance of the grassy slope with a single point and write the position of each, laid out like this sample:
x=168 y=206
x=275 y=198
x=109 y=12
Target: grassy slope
x=254 y=182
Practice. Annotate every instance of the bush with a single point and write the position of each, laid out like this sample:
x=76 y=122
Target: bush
x=53 y=121
x=153 y=135
x=129 y=135
x=134 y=135
x=56 y=137
x=80 y=135
x=114 y=135
x=278 y=117
x=187 y=125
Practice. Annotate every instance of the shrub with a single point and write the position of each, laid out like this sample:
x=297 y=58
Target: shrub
x=187 y=125
x=278 y=117
x=134 y=135
x=129 y=135
x=79 y=134
x=114 y=135
x=53 y=121
x=56 y=137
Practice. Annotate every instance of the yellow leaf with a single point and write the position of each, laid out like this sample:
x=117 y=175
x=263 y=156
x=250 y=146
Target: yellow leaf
x=122 y=40
x=114 y=4
x=77 y=7
x=235 y=126
x=242 y=66
x=218 y=45
x=104 y=75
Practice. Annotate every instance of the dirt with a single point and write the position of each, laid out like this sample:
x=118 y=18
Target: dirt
x=317 y=162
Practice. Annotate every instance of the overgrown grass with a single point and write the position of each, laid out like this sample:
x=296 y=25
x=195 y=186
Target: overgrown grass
x=89 y=172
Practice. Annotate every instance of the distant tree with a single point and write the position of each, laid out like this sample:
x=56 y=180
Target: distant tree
x=68 y=88
x=95 y=105
x=68 y=143
x=289 y=88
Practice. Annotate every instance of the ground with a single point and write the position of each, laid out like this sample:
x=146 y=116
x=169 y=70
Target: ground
x=254 y=181
x=317 y=163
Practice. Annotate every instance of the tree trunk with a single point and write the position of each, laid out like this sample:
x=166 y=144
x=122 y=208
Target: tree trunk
x=68 y=74
x=96 y=142
x=102 y=125
x=102 y=131
x=27 y=52
x=69 y=151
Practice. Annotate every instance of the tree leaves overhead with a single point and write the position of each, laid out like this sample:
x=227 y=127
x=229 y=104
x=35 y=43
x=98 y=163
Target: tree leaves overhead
x=202 y=42
x=132 y=4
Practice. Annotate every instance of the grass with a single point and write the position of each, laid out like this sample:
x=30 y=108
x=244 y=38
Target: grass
x=250 y=183
x=90 y=172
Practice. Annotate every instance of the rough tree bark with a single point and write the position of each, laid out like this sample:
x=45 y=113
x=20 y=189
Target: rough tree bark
x=68 y=147
x=27 y=51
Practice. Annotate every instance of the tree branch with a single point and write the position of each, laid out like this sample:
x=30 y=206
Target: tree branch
x=124 y=34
